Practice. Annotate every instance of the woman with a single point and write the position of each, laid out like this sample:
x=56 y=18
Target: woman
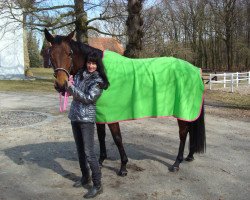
x=87 y=88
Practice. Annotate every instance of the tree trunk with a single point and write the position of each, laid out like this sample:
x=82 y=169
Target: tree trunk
x=229 y=21
x=25 y=44
x=134 y=28
x=81 y=22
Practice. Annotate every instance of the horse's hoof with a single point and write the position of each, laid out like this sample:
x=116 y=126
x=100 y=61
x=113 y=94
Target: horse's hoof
x=122 y=173
x=173 y=168
x=189 y=159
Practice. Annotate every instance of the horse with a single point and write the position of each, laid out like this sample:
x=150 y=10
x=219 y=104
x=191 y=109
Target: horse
x=68 y=56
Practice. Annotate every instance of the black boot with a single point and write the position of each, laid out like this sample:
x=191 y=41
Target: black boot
x=81 y=183
x=93 y=192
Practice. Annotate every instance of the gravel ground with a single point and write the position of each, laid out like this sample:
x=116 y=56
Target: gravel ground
x=38 y=158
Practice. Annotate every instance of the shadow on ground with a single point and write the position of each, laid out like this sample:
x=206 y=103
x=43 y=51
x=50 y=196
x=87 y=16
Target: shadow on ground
x=45 y=155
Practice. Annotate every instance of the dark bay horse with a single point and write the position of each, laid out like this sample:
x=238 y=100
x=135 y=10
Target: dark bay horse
x=68 y=56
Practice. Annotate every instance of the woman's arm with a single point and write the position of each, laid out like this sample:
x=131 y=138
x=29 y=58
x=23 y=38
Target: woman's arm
x=90 y=97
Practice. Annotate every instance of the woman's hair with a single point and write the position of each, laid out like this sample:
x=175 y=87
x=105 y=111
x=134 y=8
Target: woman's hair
x=94 y=57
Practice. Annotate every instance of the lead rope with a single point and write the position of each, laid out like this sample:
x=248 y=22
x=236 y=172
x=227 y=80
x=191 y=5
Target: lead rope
x=63 y=105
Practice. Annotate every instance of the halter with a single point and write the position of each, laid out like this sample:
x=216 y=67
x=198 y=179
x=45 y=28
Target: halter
x=61 y=68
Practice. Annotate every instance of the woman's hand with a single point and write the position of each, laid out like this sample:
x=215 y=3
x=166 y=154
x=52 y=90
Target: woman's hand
x=69 y=84
x=70 y=81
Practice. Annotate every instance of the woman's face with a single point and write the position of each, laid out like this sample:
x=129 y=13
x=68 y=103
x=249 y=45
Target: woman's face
x=91 y=66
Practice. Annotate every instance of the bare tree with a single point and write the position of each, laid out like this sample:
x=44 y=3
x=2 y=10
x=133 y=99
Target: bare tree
x=212 y=34
x=134 y=28
x=225 y=12
x=116 y=26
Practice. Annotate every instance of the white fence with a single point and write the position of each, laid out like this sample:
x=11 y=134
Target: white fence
x=229 y=79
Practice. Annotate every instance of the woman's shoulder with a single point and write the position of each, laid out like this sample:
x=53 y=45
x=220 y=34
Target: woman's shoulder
x=79 y=72
x=97 y=80
x=97 y=77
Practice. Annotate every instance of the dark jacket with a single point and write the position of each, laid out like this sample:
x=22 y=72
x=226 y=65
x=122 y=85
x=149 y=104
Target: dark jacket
x=85 y=91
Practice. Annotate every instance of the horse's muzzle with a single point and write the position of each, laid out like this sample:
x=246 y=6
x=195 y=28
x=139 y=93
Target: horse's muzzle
x=60 y=89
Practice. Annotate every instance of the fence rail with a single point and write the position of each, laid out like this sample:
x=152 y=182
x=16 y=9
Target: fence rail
x=229 y=79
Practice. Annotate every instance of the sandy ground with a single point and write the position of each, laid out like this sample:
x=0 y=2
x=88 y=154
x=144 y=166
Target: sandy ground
x=38 y=158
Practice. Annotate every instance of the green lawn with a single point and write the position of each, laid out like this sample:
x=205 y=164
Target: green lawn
x=43 y=83
x=42 y=72
x=27 y=85
x=227 y=98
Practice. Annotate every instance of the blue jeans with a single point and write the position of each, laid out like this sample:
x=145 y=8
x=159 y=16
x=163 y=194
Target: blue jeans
x=84 y=139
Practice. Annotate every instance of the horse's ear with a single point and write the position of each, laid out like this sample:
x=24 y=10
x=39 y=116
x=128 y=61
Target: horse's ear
x=48 y=36
x=70 y=36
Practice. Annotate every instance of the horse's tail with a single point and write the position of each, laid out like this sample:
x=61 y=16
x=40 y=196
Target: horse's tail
x=197 y=133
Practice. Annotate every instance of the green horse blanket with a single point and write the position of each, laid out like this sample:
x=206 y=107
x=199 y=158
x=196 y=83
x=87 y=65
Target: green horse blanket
x=151 y=87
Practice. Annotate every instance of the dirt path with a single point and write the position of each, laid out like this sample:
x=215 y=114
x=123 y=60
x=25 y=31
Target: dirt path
x=38 y=158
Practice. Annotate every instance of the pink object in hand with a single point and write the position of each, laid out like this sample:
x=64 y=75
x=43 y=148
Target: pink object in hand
x=63 y=105
x=71 y=80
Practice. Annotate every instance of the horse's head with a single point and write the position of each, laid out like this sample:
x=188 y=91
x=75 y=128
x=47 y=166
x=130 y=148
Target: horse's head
x=60 y=55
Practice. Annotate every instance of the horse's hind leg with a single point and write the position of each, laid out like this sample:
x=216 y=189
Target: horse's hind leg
x=116 y=134
x=183 y=130
x=101 y=137
x=190 y=156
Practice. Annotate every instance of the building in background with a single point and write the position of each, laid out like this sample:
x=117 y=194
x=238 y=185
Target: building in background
x=106 y=43
x=11 y=49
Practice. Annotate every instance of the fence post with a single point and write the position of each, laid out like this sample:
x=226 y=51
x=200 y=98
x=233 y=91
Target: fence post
x=237 y=79
x=232 y=82
x=210 y=84
x=225 y=79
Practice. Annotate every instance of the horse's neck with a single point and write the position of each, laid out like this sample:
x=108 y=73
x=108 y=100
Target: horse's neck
x=86 y=49
x=78 y=63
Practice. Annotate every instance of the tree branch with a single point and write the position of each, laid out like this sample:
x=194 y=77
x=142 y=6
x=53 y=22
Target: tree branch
x=104 y=18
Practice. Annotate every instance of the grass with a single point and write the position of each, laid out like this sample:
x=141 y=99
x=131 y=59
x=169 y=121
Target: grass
x=45 y=84
x=42 y=72
x=236 y=100
x=27 y=85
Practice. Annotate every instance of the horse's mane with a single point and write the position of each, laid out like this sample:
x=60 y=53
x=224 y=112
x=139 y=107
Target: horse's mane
x=85 y=49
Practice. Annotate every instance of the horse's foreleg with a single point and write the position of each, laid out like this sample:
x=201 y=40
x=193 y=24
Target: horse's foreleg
x=101 y=137
x=116 y=134
x=183 y=130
